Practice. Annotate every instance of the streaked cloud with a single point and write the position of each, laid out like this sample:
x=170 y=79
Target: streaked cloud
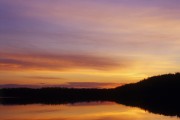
x=59 y=62
x=67 y=85
x=92 y=85
x=116 y=26
x=44 y=77
x=132 y=38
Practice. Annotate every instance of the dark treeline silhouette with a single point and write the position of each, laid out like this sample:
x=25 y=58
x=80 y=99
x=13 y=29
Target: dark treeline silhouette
x=53 y=95
x=158 y=94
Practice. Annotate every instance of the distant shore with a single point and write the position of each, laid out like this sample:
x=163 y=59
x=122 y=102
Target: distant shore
x=157 y=94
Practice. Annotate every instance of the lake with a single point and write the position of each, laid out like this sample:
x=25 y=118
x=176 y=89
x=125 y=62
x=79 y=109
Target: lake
x=78 y=111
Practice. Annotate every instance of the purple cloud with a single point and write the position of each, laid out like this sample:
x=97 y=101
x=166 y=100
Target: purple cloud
x=60 y=61
x=66 y=85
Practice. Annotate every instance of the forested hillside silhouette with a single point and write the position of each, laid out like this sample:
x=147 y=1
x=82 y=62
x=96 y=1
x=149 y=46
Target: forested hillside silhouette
x=158 y=94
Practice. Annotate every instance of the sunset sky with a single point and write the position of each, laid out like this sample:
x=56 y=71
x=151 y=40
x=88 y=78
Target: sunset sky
x=87 y=43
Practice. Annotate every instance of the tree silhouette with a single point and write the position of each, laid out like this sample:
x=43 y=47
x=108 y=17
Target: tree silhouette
x=157 y=94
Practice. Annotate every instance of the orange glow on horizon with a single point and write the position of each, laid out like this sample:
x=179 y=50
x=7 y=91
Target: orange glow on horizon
x=115 y=42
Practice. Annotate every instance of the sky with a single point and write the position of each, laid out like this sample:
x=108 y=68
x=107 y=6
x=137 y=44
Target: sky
x=87 y=43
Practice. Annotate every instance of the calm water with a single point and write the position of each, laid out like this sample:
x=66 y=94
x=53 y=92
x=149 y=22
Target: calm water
x=78 y=111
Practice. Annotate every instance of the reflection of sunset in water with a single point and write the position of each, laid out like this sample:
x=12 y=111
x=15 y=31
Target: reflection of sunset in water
x=86 y=44
x=80 y=111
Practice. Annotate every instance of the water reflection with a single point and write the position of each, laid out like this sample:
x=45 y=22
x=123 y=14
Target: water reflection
x=77 y=111
x=157 y=107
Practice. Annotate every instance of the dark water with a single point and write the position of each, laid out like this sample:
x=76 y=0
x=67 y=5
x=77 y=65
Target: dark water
x=78 y=111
